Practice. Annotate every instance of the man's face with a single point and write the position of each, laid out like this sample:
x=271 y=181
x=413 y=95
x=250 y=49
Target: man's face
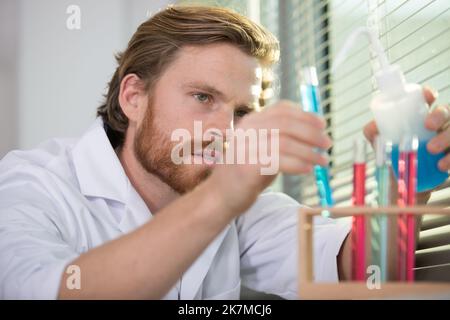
x=214 y=84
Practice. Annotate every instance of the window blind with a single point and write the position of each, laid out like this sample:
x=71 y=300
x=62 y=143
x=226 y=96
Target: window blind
x=415 y=34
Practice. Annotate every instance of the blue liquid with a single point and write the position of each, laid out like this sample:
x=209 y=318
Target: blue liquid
x=311 y=103
x=323 y=186
x=428 y=174
x=310 y=99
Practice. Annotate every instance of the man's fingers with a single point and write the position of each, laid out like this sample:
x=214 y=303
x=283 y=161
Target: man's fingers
x=305 y=153
x=440 y=142
x=430 y=94
x=292 y=165
x=444 y=163
x=370 y=131
x=437 y=118
x=294 y=111
x=293 y=125
x=306 y=133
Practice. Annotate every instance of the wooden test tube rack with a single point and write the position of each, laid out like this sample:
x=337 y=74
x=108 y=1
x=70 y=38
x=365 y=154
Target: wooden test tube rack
x=308 y=289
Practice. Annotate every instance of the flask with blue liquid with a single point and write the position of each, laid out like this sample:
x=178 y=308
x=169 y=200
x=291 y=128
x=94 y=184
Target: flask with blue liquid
x=399 y=110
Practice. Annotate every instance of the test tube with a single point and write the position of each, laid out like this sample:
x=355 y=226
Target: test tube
x=379 y=223
x=358 y=223
x=309 y=92
x=406 y=223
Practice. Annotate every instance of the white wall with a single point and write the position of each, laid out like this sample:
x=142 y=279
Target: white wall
x=52 y=78
x=8 y=75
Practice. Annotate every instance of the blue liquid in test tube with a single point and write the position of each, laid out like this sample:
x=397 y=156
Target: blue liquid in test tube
x=309 y=91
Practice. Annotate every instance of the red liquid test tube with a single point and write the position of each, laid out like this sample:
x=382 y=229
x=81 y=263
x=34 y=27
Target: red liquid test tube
x=359 y=221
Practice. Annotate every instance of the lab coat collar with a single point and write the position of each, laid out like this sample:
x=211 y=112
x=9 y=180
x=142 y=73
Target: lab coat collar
x=136 y=212
x=98 y=169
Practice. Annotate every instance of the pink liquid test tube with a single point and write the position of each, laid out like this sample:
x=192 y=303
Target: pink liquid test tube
x=407 y=188
x=359 y=221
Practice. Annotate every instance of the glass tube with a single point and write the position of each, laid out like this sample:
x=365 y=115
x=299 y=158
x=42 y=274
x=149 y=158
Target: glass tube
x=379 y=223
x=406 y=223
x=309 y=91
x=359 y=221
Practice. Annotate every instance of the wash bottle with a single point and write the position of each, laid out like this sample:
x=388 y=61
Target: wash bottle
x=399 y=110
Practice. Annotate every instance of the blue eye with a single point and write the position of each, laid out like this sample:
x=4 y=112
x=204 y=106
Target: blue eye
x=202 y=97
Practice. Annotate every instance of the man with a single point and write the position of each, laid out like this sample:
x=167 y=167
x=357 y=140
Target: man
x=114 y=209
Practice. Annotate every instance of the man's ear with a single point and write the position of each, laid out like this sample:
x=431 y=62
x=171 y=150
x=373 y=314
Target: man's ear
x=130 y=97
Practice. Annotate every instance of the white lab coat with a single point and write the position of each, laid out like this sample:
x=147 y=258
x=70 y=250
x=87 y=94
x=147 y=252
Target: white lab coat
x=68 y=196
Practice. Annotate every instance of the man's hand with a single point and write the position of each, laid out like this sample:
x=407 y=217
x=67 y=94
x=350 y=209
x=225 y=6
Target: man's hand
x=299 y=134
x=437 y=120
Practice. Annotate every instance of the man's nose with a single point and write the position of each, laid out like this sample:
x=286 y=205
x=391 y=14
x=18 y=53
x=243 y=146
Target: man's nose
x=223 y=121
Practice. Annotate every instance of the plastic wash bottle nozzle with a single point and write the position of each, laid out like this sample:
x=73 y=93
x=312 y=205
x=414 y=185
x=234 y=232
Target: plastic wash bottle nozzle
x=399 y=110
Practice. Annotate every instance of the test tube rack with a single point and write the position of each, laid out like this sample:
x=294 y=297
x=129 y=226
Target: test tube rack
x=308 y=289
